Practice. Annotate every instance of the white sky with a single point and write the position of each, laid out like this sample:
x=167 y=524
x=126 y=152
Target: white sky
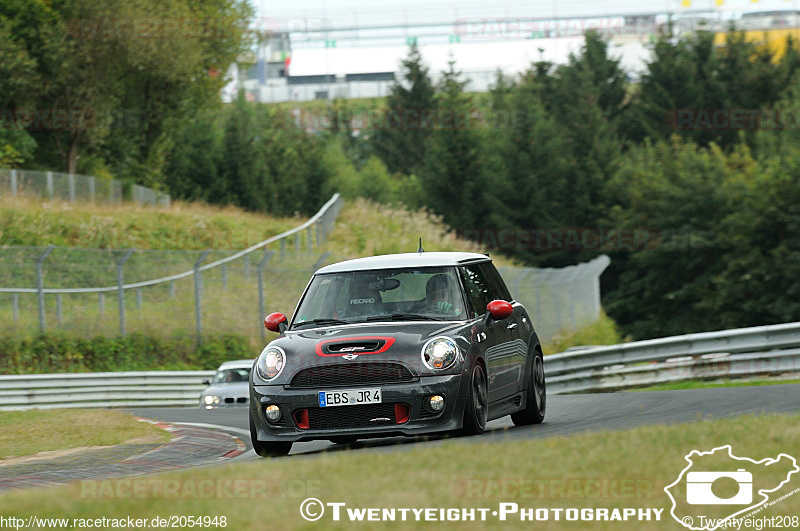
x=371 y=12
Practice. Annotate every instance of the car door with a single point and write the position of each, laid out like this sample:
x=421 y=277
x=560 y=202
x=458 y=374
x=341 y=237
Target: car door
x=517 y=327
x=497 y=338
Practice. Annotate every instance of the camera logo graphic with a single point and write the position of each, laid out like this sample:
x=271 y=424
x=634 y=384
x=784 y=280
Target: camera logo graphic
x=698 y=488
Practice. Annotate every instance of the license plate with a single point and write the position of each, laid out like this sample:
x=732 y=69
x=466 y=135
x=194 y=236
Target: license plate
x=350 y=397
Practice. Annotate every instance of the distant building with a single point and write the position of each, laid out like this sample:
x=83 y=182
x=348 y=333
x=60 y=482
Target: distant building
x=348 y=63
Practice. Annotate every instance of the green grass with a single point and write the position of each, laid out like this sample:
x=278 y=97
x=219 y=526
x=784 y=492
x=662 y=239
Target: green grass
x=699 y=384
x=28 y=432
x=187 y=226
x=535 y=473
x=363 y=229
x=604 y=331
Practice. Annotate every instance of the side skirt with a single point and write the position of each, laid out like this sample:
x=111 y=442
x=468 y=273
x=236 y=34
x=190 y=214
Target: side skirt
x=506 y=406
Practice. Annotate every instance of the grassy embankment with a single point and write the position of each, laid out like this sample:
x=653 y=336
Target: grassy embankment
x=618 y=469
x=165 y=322
x=29 y=432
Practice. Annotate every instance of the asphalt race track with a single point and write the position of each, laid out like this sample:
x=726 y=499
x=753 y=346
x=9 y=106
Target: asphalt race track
x=566 y=414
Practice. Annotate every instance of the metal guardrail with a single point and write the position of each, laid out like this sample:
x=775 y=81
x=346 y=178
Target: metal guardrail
x=758 y=351
x=102 y=389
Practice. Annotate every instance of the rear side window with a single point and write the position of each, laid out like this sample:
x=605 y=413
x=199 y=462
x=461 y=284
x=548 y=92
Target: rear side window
x=497 y=287
x=477 y=287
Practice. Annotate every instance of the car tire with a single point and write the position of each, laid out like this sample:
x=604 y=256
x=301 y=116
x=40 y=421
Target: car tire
x=267 y=449
x=536 y=399
x=477 y=408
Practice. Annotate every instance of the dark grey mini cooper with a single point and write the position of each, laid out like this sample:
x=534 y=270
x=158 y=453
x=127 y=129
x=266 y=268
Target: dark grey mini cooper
x=403 y=344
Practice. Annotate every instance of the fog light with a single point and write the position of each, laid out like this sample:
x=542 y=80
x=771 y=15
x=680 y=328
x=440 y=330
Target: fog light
x=436 y=402
x=273 y=413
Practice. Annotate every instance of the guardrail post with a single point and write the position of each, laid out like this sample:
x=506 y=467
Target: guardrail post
x=198 y=294
x=101 y=299
x=283 y=247
x=40 y=283
x=310 y=241
x=50 y=185
x=59 y=315
x=320 y=261
x=139 y=298
x=15 y=303
x=172 y=289
x=247 y=266
x=13 y=182
x=261 y=310
x=121 y=290
x=318 y=226
x=297 y=241
x=72 y=187
x=225 y=276
x=91 y=188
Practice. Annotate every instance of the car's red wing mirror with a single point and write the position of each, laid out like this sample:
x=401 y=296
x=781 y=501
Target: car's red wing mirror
x=275 y=322
x=500 y=309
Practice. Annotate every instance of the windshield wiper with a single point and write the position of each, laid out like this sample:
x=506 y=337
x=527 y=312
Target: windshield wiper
x=320 y=322
x=403 y=317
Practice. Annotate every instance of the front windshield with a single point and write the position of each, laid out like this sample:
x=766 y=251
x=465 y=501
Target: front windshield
x=431 y=293
x=231 y=376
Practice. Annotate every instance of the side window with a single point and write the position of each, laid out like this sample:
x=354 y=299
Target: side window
x=477 y=288
x=496 y=285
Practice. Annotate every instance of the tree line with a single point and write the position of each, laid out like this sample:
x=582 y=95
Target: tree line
x=687 y=175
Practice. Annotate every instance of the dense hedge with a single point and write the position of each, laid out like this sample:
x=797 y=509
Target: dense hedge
x=57 y=353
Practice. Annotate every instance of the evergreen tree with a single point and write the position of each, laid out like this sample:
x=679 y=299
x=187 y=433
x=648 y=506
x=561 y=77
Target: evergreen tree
x=452 y=172
x=402 y=138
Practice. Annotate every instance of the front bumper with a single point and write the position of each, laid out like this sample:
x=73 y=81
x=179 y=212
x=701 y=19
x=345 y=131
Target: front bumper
x=412 y=394
x=225 y=402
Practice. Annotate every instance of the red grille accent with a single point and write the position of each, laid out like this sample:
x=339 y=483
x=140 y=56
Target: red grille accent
x=301 y=418
x=401 y=413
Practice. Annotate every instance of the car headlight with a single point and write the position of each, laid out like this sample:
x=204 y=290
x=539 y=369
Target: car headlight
x=211 y=399
x=440 y=353
x=271 y=362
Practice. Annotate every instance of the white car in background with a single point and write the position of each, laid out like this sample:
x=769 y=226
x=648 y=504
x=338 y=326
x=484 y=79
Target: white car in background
x=229 y=387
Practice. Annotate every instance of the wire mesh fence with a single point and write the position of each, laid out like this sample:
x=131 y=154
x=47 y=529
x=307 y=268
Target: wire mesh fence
x=559 y=300
x=108 y=291
x=74 y=187
x=220 y=292
x=224 y=299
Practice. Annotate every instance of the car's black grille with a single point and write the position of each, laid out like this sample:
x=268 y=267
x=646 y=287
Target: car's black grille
x=348 y=374
x=281 y=421
x=425 y=414
x=364 y=416
x=231 y=400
